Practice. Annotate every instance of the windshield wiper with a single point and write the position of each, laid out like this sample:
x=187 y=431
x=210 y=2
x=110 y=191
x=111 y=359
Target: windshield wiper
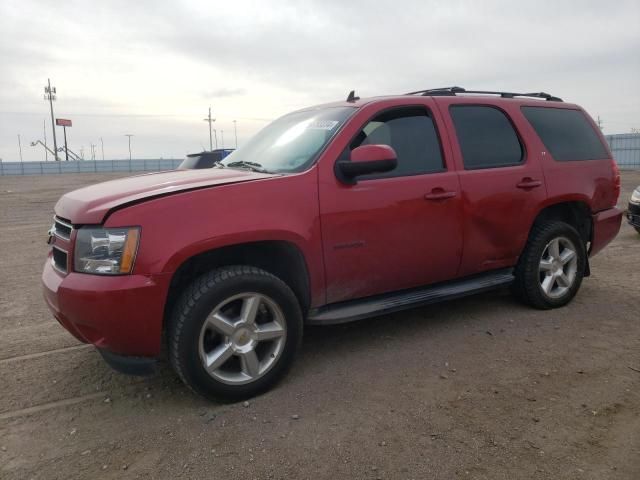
x=256 y=167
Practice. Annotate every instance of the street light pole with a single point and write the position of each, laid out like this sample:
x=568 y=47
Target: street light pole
x=50 y=94
x=102 y=146
x=235 y=132
x=20 y=147
x=66 y=150
x=129 y=135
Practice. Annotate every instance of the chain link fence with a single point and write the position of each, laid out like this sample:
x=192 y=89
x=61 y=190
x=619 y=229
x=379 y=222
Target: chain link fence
x=87 y=166
x=625 y=148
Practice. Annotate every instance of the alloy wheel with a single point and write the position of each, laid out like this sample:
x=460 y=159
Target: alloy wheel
x=558 y=267
x=242 y=338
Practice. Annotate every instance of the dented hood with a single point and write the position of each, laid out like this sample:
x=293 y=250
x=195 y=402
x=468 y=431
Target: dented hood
x=91 y=204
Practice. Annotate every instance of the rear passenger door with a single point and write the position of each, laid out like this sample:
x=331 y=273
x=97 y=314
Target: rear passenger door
x=501 y=180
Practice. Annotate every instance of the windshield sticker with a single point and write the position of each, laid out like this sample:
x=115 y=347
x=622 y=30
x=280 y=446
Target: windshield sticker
x=323 y=124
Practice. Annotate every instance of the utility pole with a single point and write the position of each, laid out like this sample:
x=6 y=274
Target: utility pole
x=210 y=121
x=44 y=133
x=599 y=122
x=235 y=132
x=20 y=147
x=222 y=137
x=102 y=146
x=50 y=94
x=93 y=151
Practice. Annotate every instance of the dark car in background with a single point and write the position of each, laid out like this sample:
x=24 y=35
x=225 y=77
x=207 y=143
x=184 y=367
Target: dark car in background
x=633 y=212
x=204 y=159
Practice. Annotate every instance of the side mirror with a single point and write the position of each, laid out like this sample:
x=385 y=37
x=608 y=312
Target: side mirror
x=366 y=159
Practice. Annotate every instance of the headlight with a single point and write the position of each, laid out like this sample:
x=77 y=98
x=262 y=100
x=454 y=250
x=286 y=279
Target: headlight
x=635 y=196
x=106 y=251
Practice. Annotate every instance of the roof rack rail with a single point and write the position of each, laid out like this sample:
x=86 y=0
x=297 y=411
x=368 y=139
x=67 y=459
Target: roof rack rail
x=453 y=91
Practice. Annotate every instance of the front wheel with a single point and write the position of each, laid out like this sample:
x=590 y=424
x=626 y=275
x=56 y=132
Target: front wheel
x=550 y=270
x=234 y=332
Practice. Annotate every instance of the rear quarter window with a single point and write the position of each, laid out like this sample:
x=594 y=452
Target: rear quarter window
x=567 y=134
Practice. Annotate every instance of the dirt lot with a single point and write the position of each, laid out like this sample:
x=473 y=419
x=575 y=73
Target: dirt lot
x=480 y=388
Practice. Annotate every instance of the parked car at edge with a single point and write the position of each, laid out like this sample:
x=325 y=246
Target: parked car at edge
x=330 y=214
x=633 y=212
x=205 y=159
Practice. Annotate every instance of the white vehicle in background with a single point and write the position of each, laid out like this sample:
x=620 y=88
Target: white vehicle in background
x=633 y=212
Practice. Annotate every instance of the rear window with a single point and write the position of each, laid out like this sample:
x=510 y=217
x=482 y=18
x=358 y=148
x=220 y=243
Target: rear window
x=567 y=134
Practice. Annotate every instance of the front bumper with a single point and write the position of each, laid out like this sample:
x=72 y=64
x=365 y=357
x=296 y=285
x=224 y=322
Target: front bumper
x=122 y=315
x=633 y=215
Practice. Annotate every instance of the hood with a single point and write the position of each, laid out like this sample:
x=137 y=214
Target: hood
x=90 y=205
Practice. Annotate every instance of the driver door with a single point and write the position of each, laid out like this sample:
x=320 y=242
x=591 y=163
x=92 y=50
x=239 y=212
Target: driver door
x=396 y=230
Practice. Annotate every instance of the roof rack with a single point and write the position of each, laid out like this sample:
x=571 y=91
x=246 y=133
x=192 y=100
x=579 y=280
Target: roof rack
x=453 y=91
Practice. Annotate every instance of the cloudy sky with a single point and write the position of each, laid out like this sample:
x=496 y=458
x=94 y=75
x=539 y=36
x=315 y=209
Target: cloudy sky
x=151 y=68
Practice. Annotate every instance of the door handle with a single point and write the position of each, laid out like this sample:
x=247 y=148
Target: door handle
x=439 y=194
x=527 y=183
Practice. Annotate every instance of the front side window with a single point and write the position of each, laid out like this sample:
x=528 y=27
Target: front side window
x=411 y=132
x=566 y=133
x=291 y=143
x=486 y=137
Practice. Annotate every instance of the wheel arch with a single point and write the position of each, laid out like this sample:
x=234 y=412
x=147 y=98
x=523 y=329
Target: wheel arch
x=575 y=211
x=282 y=258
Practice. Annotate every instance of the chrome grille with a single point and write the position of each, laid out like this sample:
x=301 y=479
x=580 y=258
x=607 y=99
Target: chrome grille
x=59 y=259
x=62 y=228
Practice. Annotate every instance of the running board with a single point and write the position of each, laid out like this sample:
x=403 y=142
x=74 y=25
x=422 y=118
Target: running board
x=351 y=310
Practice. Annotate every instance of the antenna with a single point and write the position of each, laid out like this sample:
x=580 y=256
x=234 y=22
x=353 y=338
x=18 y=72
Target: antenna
x=352 y=96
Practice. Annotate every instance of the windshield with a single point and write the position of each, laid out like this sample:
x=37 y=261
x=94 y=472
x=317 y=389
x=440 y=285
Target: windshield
x=291 y=143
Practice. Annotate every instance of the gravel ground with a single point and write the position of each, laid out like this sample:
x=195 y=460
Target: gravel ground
x=480 y=388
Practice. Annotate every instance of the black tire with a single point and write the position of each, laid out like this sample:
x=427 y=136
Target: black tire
x=527 y=285
x=197 y=302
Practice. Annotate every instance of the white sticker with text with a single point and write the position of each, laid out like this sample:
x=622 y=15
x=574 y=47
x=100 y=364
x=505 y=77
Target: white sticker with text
x=323 y=124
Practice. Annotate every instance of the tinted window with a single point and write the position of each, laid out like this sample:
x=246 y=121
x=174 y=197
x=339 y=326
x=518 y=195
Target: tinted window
x=567 y=134
x=486 y=137
x=411 y=133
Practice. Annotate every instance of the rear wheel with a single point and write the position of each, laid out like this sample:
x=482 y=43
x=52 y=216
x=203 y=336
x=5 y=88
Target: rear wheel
x=234 y=332
x=550 y=270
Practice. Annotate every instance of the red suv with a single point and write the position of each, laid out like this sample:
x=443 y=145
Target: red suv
x=331 y=214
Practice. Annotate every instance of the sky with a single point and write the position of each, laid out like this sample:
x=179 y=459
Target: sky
x=152 y=68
